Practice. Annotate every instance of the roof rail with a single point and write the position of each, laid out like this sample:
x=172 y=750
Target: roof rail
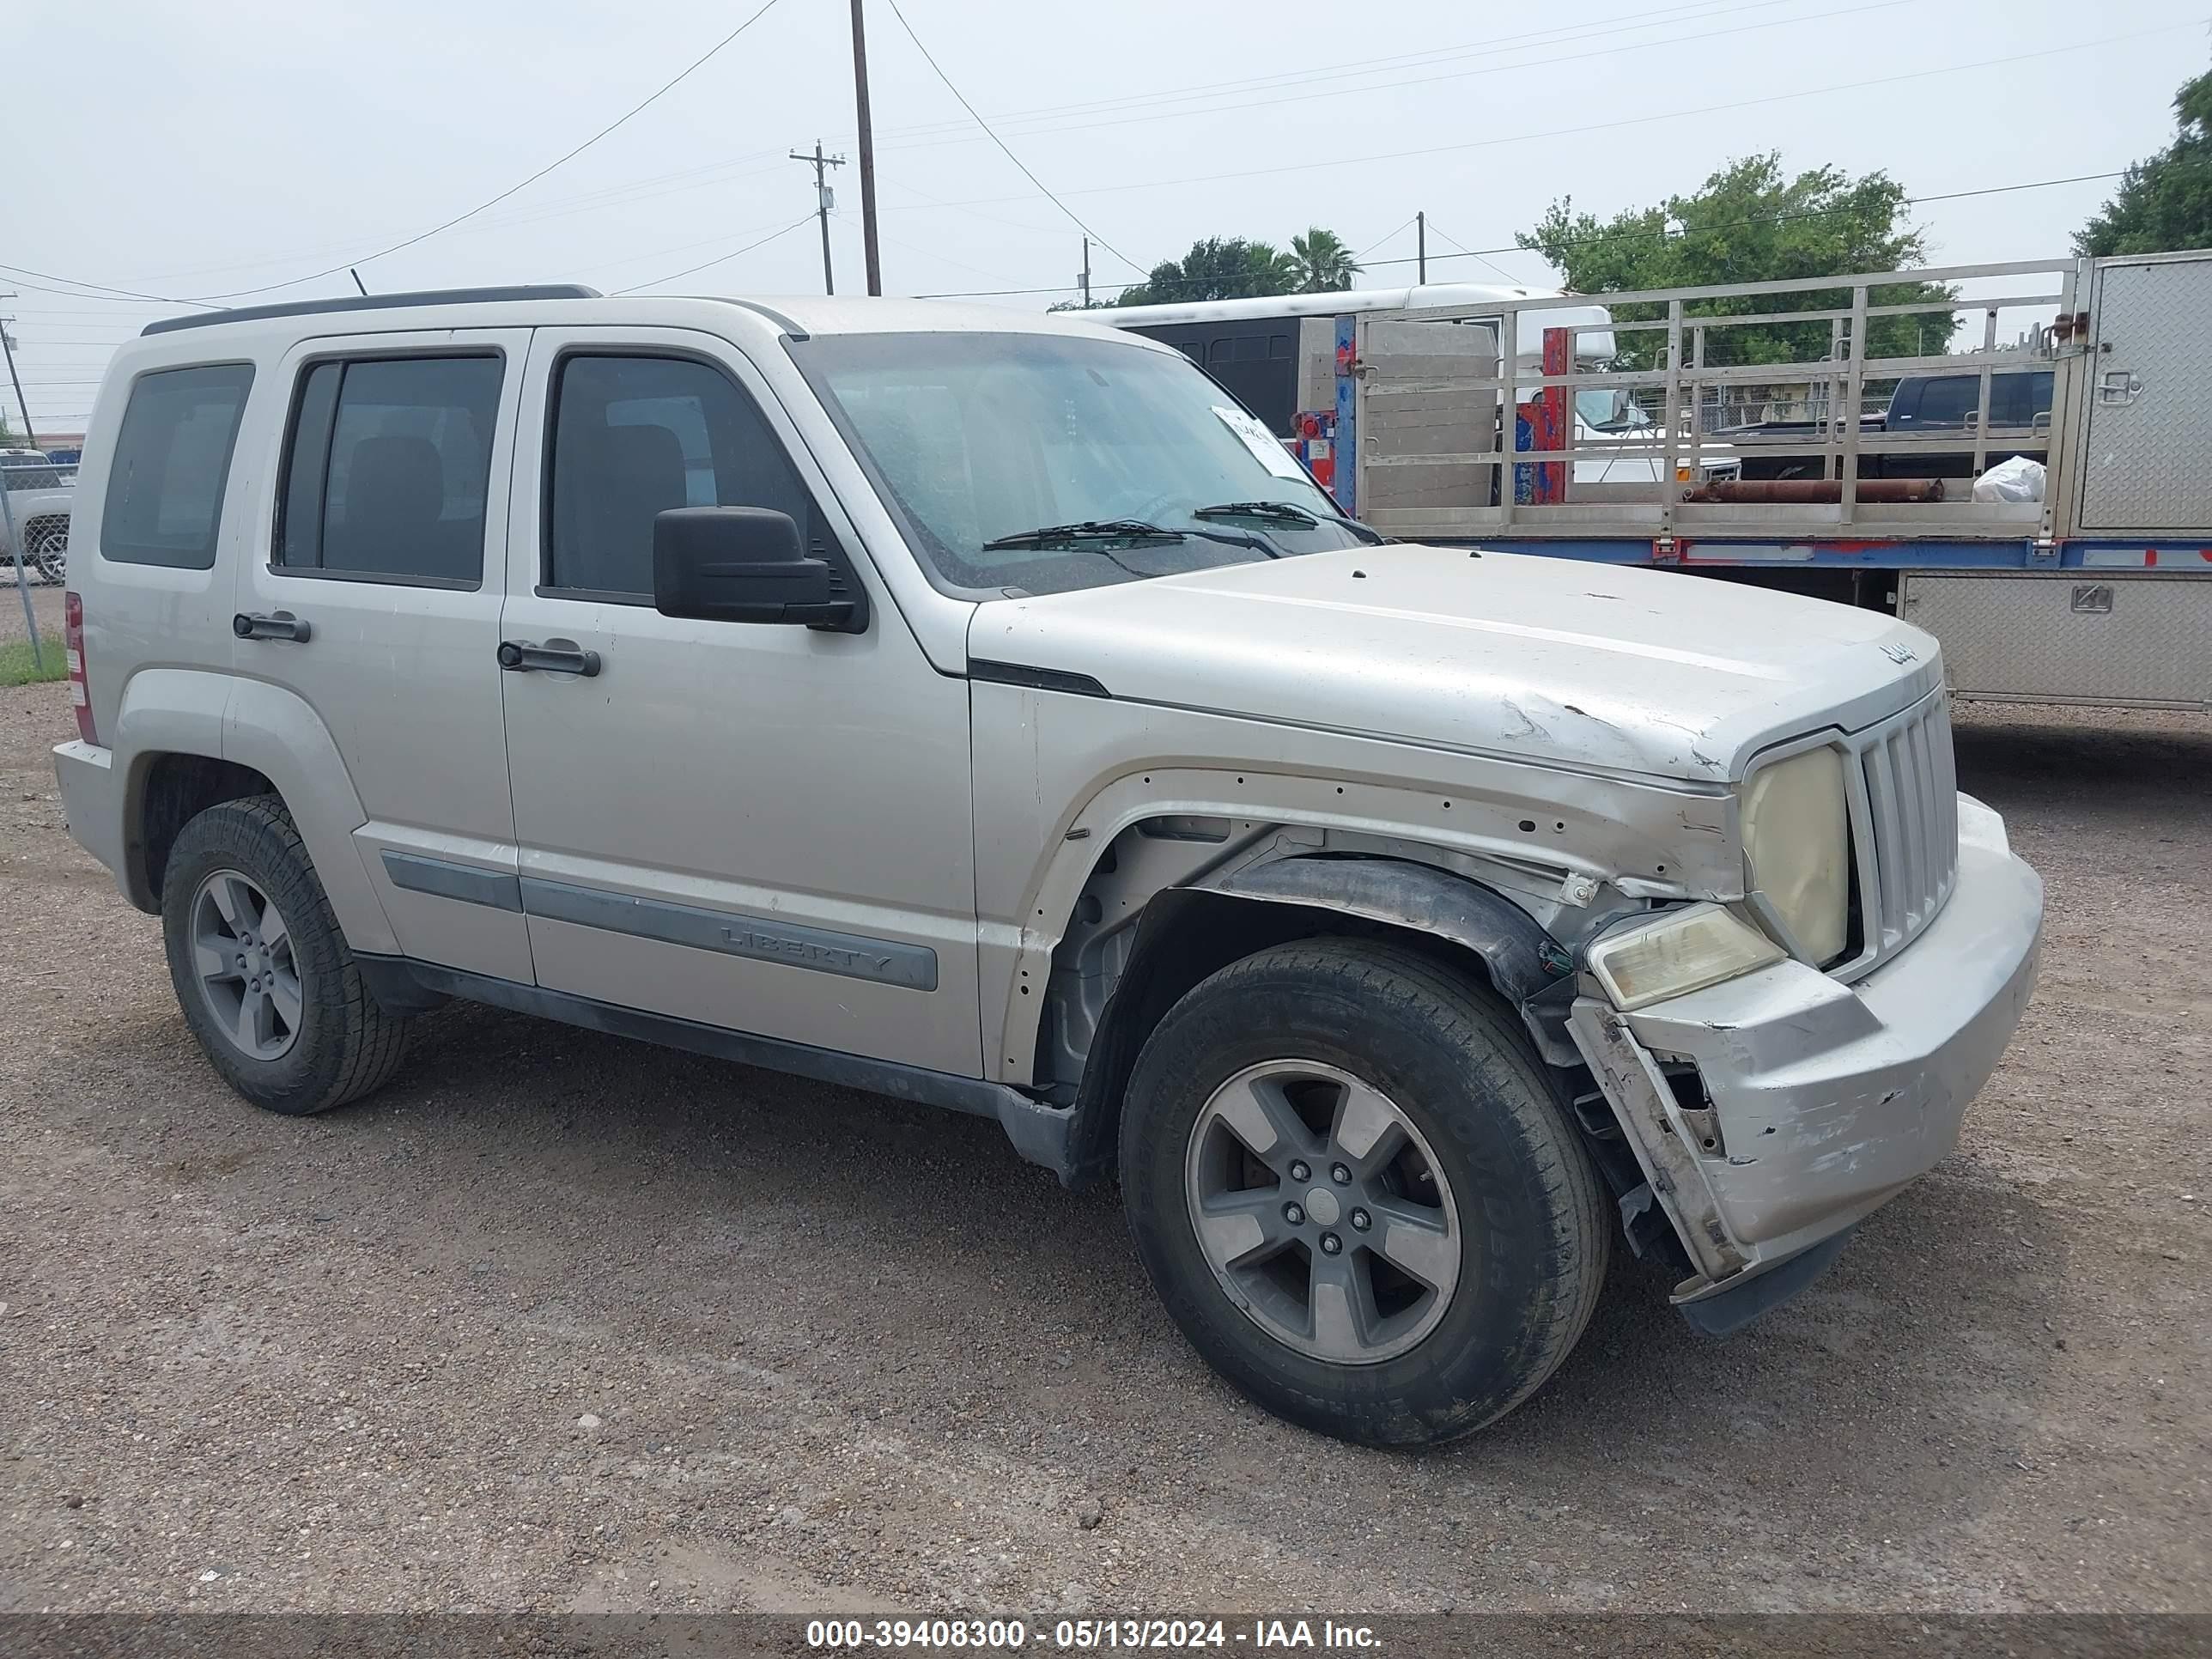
x=428 y=296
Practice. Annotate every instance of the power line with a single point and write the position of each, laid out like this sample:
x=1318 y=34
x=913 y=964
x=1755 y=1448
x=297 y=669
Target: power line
x=703 y=176
x=719 y=258
x=1379 y=240
x=1665 y=233
x=1303 y=96
x=2071 y=49
x=121 y=294
x=652 y=98
x=1001 y=142
x=1211 y=92
x=1605 y=236
x=1467 y=251
x=18 y=273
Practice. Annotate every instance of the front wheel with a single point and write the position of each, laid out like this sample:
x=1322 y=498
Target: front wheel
x=1353 y=1184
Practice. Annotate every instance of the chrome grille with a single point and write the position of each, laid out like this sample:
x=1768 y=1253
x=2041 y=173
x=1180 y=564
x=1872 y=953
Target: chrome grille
x=1912 y=821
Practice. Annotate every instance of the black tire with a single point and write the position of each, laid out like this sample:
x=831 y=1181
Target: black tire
x=345 y=1043
x=1533 y=1233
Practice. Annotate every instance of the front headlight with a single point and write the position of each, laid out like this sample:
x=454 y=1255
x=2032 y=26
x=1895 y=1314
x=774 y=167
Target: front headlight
x=1684 y=950
x=1795 y=836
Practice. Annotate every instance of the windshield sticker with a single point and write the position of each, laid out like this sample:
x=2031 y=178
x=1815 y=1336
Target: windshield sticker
x=1262 y=442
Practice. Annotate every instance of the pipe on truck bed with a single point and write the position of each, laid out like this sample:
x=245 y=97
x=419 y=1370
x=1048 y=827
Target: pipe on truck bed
x=1815 y=491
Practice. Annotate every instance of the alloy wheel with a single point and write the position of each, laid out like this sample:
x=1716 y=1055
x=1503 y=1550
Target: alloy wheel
x=1322 y=1209
x=243 y=958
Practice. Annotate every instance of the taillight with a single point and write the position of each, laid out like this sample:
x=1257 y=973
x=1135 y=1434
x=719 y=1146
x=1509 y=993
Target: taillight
x=73 y=643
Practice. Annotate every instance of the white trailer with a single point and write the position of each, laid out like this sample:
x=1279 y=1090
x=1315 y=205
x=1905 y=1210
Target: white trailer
x=2099 y=593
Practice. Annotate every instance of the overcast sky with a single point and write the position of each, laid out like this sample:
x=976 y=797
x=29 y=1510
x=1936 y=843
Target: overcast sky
x=200 y=149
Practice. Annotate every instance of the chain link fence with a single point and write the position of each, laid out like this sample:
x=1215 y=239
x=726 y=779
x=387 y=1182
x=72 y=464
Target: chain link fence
x=34 y=530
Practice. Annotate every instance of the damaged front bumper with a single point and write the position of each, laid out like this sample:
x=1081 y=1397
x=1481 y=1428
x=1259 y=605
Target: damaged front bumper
x=1818 y=1101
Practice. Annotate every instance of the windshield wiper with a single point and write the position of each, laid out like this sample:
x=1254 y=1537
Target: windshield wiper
x=1291 y=512
x=1089 y=530
x=1281 y=511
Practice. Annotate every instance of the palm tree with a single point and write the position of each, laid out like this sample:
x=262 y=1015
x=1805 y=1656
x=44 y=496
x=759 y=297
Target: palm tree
x=1217 y=268
x=1320 y=262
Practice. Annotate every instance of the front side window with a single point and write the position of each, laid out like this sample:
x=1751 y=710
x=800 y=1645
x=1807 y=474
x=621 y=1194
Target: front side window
x=634 y=436
x=979 y=440
x=388 y=467
x=165 y=485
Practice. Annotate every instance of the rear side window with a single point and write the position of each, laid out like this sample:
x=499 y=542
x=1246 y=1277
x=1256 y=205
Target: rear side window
x=1949 y=400
x=171 y=459
x=633 y=437
x=387 y=468
x=2034 y=392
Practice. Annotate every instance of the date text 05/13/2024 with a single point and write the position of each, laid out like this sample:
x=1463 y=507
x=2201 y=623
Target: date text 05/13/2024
x=1093 y=1635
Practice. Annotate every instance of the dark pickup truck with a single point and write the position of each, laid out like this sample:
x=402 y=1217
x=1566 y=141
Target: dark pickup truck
x=2020 y=424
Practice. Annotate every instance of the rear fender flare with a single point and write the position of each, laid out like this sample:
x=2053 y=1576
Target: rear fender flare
x=277 y=734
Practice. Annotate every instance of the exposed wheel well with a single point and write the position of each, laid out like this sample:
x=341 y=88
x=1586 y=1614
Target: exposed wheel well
x=176 y=789
x=1189 y=936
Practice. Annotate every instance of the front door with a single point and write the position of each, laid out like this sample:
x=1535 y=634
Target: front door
x=385 y=539
x=763 y=828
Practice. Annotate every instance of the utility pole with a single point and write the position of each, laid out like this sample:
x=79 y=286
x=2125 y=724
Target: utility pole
x=1084 y=276
x=825 y=199
x=867 y=152
x=17 y=554
x=8 y=346
x=1421 y=241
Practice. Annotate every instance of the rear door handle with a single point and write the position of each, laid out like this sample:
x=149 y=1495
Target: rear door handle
x=554 y=657
x=274 y=625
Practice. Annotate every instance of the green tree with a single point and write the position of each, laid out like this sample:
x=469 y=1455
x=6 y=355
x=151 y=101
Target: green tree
x=1321 y=263
x=1216 y=268
x=2164 y=202
x=1750 y=224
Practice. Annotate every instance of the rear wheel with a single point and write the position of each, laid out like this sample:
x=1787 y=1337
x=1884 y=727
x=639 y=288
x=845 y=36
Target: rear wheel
x=1354 y=1185
x=262 y=973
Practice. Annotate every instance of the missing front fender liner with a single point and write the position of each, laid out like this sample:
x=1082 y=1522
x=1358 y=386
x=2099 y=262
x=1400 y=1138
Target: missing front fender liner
x=1423 y=899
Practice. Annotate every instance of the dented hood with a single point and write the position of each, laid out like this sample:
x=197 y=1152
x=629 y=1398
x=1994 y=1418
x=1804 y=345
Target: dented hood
x=1552 y=659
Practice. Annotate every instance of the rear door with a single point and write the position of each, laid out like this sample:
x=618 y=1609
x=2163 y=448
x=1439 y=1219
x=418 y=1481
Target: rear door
x=383 y=542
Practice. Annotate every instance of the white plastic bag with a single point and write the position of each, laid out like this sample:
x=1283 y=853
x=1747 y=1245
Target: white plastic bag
x=2019 y=479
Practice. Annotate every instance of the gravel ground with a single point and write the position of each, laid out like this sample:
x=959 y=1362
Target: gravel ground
x=566 y=1323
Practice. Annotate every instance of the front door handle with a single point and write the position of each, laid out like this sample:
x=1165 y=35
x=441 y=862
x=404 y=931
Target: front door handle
x=554 y=657
x=274 y=625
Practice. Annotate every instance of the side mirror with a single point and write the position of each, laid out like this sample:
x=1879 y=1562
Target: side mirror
x=744 y=564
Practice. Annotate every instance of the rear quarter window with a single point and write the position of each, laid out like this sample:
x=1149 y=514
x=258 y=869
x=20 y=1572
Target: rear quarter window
x=171 y=460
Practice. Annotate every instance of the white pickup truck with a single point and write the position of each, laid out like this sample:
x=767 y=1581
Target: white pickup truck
x=38 y=496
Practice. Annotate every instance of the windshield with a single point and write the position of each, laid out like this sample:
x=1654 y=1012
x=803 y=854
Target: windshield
x=1608 y=410
x=981 y=438
x=29 y=469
